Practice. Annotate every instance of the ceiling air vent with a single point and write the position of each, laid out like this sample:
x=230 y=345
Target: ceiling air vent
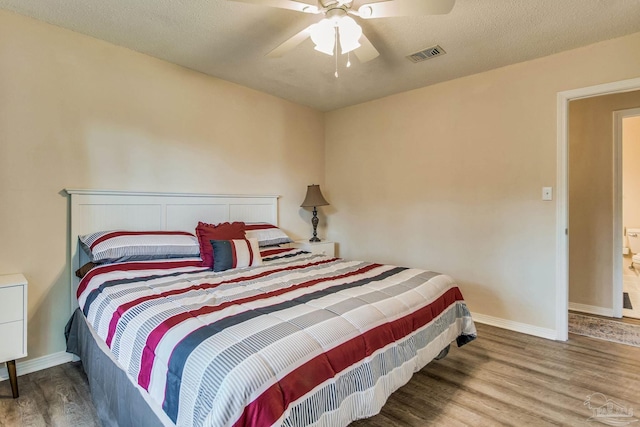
x=427 y=53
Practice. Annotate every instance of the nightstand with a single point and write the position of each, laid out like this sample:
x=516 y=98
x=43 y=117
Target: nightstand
x=323 y=248
x=13 y=324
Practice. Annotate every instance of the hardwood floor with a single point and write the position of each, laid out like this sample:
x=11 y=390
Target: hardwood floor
x=57 y=397
x=502 y=378
x=506 y=378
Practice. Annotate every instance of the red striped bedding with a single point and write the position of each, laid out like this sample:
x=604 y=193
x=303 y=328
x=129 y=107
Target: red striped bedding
x=301 y=340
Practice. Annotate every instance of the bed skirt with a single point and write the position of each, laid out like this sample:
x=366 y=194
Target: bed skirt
x=118 y=401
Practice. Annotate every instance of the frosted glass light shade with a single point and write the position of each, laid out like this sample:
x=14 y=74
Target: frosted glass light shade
x=350 y=32
x=323 y=35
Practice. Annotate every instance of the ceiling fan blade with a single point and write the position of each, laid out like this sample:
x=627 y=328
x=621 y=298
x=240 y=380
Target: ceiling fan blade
x=366 y=52
x=290 y=43
x=284 y=4
x=389 y=8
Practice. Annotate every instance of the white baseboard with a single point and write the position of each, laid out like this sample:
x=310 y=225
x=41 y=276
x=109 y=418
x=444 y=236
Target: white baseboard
x=37 y=364
x=511 y=325
x=591 y=309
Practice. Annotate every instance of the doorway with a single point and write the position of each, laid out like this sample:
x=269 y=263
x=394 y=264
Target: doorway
x=627 y=162
x=595 y=202
x=562 y=223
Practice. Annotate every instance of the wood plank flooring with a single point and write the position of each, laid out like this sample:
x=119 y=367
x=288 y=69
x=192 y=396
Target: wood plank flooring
x=57 y=397
x=502 y=378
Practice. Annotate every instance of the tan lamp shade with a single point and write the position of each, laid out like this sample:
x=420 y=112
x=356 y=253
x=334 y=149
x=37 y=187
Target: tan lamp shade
x=314 y=197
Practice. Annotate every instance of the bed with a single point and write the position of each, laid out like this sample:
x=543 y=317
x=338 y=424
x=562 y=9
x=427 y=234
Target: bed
x=300 y=339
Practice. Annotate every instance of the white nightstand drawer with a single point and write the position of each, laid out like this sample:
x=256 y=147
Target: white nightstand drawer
x=13 y=324
x=12 y=336
x=11 y=304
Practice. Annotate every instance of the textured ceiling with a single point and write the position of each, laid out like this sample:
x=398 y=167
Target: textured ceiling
x=229 y=40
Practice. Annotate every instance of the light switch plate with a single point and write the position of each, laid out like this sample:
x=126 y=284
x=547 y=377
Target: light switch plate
x=547 y=193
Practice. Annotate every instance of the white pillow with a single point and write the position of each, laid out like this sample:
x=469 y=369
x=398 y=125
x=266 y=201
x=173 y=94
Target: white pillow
x=266 y=234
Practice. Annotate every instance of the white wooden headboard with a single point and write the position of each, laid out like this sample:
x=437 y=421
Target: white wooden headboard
x=98 y=210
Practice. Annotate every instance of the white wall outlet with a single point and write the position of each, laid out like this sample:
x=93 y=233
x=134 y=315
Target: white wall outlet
x=547 y=193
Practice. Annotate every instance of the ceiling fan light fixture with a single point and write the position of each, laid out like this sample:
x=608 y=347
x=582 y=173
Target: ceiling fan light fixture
x=350 y=32
x=323 y=35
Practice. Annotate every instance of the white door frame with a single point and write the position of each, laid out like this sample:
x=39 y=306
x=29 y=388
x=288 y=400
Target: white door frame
x=618 y=236
x=562 y=207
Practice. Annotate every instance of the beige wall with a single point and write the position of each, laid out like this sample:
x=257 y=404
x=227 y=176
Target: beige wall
x=591 y=197
x=631 y=173
x=449 y=177
x=76 y=112
x=446 y=177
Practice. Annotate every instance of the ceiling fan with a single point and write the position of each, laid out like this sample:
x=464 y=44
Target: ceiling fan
x=338 y=28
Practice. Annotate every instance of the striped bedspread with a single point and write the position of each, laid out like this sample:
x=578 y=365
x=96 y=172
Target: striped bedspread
x=301 y=340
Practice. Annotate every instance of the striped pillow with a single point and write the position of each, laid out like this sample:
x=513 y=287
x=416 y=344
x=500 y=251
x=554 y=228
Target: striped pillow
x=119 y=246
x=236 y=253
x=267 y=234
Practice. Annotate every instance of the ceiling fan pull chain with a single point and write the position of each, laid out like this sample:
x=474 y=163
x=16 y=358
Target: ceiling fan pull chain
x=336 y=52
x=348 y=59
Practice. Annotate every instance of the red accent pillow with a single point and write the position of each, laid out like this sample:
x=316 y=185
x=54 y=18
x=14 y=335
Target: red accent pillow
x=223 y=231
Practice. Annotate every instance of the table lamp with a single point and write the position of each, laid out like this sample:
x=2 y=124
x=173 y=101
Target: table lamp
x=313 y=199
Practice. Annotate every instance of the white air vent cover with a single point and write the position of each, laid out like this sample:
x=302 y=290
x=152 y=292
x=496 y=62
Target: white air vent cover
x=427 y=53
